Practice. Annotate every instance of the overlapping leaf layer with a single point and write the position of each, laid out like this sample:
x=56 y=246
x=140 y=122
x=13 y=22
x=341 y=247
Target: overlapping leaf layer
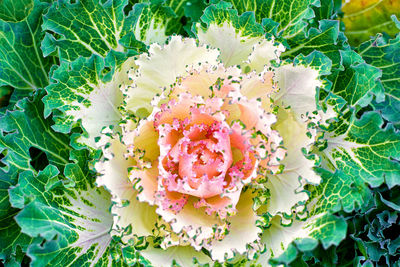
x=63 y=64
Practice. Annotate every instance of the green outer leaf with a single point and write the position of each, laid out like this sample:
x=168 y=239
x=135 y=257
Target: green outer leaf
x=10 y=232
x=25 y=128
x=325 y=228
x=324 y=39
x=78 y=217
x=328 y=9
x=15 y=10
x=363 y=150
x=329 y=229
x=358 y=82
x=87 y=90
x=192 y=10
x=223 y=13
x=22 y=65
x=290 y=15
x=385 y=55
x=85 y=28
x=341 y=191
x=390 y=204
x=20 y=130
x=91 y=27
x=287 y=257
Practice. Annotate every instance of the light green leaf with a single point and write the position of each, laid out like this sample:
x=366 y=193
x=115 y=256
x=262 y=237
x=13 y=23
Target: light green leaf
x=75 y=221
x=365 y=151
x=385 y=55
x=81 y=92
x=328 y=229
x=22 y=65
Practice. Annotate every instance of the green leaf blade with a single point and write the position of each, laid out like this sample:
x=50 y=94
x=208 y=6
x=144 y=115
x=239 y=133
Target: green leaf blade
x=22 y=65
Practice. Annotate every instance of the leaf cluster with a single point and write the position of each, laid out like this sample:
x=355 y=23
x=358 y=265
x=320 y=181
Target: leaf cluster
x=53 y=53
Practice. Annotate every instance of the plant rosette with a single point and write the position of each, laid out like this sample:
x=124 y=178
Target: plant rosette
x=213 y=151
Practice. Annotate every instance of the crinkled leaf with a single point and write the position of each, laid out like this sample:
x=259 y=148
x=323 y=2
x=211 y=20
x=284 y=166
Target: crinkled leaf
x=22 y=130
x=385 y=55
x=76 y=221
x=324 y=39
x=82 y=92
x=25 y=128
x=373 y=230
x=86 y=27
x=358 y=82
x=291 y=16
x=341 y=191
x=223 y=13
x=363 y=150
x=22 y=65
x=329 y=229
x=92 y=27
x=10 y=232
x=364 y=19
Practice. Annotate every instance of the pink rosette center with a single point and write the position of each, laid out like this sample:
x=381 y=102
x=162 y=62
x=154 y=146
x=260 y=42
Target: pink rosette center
x=201 y=155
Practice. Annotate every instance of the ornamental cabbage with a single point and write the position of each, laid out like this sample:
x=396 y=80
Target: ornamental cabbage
x=195 y=133
x=216 y=131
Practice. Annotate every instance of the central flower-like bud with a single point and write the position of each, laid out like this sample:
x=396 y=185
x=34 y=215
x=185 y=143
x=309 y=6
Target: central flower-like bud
x=200 y=154
x=204 y=141
x=197 y=146
x=198 y=162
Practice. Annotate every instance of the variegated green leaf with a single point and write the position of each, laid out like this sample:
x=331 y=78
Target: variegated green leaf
x=22 y=65
x=291 y=16
x=85 y=91
x=223 y=13
x=364 y=149
x=358 y=82
x=93 y=27
x=385 y=55
x=324 y=39
x=15 y=10
x=75 y=221
x=21 y=131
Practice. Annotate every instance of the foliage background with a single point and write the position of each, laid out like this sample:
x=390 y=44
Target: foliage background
x=360 y=37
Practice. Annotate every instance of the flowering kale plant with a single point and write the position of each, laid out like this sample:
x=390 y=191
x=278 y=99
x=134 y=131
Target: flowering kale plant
x=199 y=133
